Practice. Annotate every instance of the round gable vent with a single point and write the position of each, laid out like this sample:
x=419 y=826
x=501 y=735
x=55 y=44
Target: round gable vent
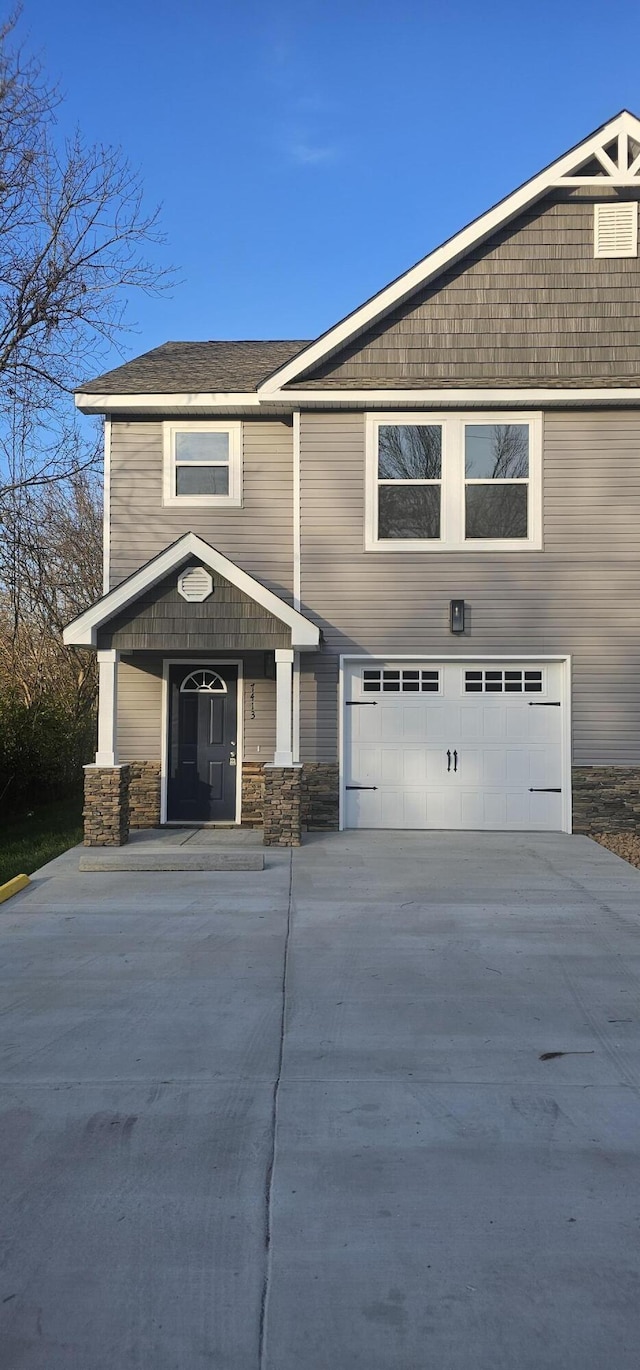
x=195 y=585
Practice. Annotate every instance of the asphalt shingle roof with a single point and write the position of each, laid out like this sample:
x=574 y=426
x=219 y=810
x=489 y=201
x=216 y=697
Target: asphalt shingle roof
x=184 y=367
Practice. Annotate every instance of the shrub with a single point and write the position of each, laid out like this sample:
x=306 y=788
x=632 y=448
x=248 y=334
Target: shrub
x=43 y=746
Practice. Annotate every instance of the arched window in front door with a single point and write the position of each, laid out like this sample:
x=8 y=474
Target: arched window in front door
x=203 y=682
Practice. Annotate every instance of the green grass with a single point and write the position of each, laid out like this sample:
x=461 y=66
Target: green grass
x=29 y=840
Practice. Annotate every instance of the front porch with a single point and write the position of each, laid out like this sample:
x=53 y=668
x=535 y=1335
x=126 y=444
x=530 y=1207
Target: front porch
x=198 y=717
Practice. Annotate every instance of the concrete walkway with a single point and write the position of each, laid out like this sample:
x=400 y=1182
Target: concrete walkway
x=383 y=1176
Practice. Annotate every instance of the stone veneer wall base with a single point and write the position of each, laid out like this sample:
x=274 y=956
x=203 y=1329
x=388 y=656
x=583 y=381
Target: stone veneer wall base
x=606 y=799
x=144 y=794
x=106 y=806
x=321 y=796
x=252 y=811
x=282 y=806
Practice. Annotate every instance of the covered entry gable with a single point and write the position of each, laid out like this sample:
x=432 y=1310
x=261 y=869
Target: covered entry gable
x=116 y=616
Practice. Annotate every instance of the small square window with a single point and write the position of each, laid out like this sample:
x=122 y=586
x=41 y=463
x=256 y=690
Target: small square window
x=203 y=464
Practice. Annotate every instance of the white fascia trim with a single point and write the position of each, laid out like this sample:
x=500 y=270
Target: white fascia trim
x=296 y=510
x=458 y=397
x=84 y=629
x=106 y=506
x=315 y=399
x=169 y=403
x=450 y=252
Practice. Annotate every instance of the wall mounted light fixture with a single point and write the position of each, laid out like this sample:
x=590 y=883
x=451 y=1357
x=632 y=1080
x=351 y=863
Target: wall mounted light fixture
x=456 y=615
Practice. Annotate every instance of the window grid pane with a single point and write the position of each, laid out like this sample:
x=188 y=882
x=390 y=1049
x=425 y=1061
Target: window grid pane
x=496 y=477
x=498 y=682
x=409 y=511
x=202 y=447
x=202 y=480
x=409 y=451
x=401 y=681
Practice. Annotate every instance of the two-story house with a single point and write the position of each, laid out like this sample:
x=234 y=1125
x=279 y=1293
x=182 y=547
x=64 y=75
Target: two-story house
x=389 y=578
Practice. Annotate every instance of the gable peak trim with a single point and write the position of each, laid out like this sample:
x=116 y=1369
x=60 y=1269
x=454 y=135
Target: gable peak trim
x=83 y=631
x=615 y=148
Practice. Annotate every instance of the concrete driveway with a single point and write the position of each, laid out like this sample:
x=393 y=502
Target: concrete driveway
x=383 y=1176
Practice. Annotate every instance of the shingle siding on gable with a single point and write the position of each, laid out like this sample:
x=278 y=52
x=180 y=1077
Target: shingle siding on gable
x=532 y=306
x=161 y=620
x=581 y=595
x=259 y=536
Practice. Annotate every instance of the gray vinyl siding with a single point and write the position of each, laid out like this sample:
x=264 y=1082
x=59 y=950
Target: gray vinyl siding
x=318 y=705
x=531 y=306
x=259 y=731
x=580 y=595
x=140 y=709
x=258 y=537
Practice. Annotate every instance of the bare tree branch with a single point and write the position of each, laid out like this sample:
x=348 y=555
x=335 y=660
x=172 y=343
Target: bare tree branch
x=74 y=244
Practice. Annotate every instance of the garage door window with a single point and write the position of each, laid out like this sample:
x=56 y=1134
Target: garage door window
x=400 y=682
x=503 y=682
x=445 y=482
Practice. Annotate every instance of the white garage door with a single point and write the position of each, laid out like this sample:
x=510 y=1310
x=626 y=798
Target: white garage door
x=453 y=745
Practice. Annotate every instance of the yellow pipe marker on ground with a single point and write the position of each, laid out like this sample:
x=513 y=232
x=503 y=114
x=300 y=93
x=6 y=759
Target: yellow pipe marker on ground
x=14 y=886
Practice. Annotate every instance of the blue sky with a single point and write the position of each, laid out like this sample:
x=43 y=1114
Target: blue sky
x=306 y=153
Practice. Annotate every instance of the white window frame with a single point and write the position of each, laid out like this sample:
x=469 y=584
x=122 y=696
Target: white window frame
x=452 y=509
x=234 y=498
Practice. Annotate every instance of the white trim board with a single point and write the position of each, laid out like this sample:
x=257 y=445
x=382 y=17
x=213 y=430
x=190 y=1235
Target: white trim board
x=167 y=662
x=461 y=658
x=83 y=631
x=296 y=510
x=106 y=507
x=170 y=402
x=475 y=398
x=560 y=173
x=287 y=401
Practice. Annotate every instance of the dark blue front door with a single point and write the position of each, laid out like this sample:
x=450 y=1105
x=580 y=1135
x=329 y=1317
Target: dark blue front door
x=203 y=708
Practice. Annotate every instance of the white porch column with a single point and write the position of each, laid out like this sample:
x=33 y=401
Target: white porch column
x=107 y=753
x=284 y=696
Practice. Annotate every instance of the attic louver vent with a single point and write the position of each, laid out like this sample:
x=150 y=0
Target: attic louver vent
x=615 y=230
x=195 y=585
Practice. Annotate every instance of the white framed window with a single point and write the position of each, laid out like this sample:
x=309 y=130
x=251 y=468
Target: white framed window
x=452 y=482
x=203 y=464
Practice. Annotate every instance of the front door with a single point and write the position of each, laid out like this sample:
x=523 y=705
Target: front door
x=203 y=717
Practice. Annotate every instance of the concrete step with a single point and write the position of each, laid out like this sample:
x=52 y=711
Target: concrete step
x=158 y=857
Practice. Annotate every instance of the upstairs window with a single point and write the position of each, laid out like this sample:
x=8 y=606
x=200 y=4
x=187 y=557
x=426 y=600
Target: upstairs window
x=447 y=482
x=203 y=464
x=496 y=471
x=409 y=480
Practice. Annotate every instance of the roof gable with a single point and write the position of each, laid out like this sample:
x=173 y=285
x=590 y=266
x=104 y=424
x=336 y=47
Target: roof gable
x=609 y=157
x=531 y=306
x=83 y=631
